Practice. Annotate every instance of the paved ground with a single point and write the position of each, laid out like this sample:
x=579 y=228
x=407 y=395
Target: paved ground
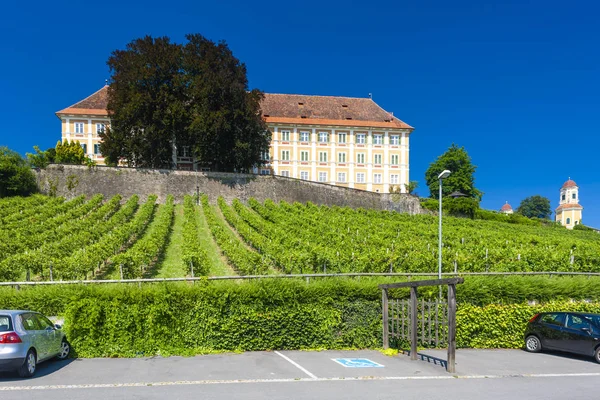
x=480 y=374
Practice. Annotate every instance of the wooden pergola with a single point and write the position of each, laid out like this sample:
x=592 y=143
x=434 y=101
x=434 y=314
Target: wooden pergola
x=413 y=307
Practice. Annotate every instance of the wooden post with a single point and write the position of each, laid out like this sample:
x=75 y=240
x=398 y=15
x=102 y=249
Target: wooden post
x=450 y=366
x=121 y=270
x=384 y=306
x=413 y=323
x=51 y=272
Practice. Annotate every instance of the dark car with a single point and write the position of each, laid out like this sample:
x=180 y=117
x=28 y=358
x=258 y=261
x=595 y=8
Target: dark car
x=572 y=332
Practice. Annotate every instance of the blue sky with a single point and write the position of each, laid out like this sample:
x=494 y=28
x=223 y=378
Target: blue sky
x=514 y=82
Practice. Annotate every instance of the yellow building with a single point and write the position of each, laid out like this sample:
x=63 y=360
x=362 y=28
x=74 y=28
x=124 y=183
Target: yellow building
x=342 y=141
x=84 y=120
x=569 y=212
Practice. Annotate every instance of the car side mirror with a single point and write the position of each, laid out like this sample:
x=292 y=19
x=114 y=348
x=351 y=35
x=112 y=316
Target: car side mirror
x=57 y=326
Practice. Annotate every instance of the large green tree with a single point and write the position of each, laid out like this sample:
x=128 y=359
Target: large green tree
x=535 y=207
x=16 y=177
x=163 y=94
x=461 y=179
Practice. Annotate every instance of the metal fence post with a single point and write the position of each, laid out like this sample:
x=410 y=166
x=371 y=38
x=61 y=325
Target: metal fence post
x=413 y=323
x=386 y=324
x=450 y=366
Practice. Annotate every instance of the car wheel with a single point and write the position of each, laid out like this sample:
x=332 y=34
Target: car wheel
x=28 y=368
x=597 y=354
x=533 y=344
x=65 y=350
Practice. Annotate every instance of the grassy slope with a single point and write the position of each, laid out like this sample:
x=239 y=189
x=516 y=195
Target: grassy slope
x=218 y=262
x=172 y=266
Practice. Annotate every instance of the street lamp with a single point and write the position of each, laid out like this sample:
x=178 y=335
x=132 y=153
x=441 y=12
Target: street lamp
x=445 y=173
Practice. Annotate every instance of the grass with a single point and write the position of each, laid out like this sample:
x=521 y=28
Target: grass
x=218 y=263
x=172 y=265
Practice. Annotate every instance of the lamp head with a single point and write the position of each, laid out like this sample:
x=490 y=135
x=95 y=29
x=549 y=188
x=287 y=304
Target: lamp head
x=445 y=173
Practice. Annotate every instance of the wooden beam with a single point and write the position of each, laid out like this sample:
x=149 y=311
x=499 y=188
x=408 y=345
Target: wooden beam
x=450 y=366
x=386 y=323
x=413 y=323
x=432 y=282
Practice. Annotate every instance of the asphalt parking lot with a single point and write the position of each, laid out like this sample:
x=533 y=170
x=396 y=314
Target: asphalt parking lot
x=336 y=368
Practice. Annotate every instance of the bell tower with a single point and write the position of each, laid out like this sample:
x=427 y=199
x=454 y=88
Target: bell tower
x=569 y=211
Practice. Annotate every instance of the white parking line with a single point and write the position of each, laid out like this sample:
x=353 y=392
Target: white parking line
x=295 y=364
x=286 y=380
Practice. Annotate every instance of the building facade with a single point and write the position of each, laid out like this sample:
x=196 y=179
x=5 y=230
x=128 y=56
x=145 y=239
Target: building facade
x=569 y=211
x=350 y=142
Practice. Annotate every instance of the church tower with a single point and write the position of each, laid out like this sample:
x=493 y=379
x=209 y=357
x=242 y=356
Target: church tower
x=568 y=212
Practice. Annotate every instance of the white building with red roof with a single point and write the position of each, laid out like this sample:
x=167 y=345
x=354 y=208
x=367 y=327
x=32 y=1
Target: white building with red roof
x=506 y=209
x=569 y=211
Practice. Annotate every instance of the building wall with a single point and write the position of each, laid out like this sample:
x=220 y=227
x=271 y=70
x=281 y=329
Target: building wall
x=569 y=217
x=383 y=158
x=129 y=181
x=86 y=133
x=382 y=167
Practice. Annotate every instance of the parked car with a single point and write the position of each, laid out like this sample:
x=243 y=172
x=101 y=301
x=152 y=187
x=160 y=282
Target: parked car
x=572 y=332
x=28 y=338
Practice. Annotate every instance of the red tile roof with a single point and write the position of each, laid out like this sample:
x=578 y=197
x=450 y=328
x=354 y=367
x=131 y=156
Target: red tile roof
x=94 y=104
x=569 y=184
x=286 y=109
x=327 y=110
x=506 y=207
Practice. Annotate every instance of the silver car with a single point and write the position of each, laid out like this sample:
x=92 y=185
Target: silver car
x=28 y=338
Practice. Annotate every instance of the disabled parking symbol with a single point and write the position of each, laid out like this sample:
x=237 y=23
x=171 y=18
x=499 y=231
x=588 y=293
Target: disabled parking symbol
x=357 y=363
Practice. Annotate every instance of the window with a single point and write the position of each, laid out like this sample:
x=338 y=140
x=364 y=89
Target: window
x=563 y=196
x=377 y=139
x=394 y=179
x=285 y=136
x=360 y=177
x=285 y=173
x=553 y=319
x=576 y=322
x=323 y=137
x=100 y=128
x=576 y=222
x=395 y=139
x=568 y=221
x=377 y=158
x=285 y=155
x=574 y=195
x=360 y=158
x=322 y=176
x=360 y=138
x=395 y=158
x=84 y=147
x=304 y=175
x=304 y=136
x=341 y=177
x=97 y=148
x=29 y=322
x=5 y=324
x=341 y=157
x=341 y=137
x=376 y=178
x=264 y=155
x=265 y=172
x=44 y=323
x=322 y=156
x=304 y=156
x=78 y=127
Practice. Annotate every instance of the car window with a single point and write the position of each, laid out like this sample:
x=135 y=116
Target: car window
x=576 y=322
x=44 y=322
x=5 y=323
x=30 y=323
x=553 y=319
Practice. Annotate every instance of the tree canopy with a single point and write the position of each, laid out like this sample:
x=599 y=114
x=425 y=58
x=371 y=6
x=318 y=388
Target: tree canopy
x=462 y=178
x=16 y=178
x=69 y=153
x=535 y=207
x=165 y=95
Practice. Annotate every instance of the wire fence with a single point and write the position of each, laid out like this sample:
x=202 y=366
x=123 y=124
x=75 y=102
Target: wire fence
x=307 y=277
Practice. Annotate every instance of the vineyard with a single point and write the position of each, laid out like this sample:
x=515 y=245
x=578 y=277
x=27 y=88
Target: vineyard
x=47 y=238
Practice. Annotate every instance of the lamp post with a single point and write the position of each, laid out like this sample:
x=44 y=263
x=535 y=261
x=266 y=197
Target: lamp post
x=445 y=173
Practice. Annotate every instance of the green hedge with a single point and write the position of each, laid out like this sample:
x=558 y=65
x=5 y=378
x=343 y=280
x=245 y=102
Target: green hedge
x=186 y=319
